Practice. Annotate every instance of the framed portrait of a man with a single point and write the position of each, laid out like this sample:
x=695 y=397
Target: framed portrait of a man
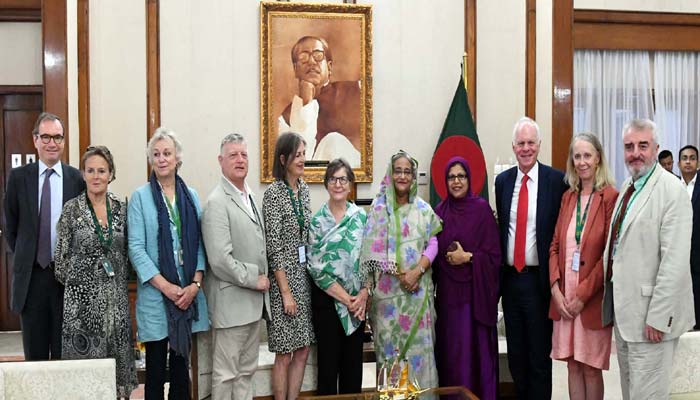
x=316 y=80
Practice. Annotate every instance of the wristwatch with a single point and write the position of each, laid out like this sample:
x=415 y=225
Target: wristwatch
x=198 y=283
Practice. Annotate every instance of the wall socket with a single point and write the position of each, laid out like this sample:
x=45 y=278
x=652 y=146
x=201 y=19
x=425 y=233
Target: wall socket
x=422 y=177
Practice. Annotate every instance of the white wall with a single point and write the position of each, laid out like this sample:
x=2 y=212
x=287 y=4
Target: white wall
x=118 y=87
x=20 y=52
x=210 y=77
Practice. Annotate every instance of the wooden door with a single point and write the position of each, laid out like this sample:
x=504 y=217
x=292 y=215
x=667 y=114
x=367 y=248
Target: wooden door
x=19 y=112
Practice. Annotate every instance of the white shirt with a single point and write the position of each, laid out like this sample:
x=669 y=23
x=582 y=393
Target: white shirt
x=531 y=257
x=56 y=181
x=245 y=197
x=690 y=186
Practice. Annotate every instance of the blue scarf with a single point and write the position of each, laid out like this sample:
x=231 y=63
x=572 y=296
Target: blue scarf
x=179 y=321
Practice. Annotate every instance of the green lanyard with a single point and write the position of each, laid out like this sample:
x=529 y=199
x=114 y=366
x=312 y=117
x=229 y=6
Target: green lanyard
x=298 y=210
x=579 y=221
x=106 y=243
x=174 y=215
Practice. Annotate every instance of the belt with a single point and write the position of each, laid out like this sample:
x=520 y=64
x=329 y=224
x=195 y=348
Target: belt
x=526 y=269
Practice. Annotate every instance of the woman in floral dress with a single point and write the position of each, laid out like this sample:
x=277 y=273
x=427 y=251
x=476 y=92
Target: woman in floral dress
x=398 y=248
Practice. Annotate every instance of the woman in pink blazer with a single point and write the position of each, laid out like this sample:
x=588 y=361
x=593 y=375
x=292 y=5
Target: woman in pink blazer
x=576 y=268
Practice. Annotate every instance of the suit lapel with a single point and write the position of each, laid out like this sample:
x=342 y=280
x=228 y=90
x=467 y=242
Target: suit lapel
x=32 y=184
x=231 y=192
x=696 y=190
x=640 y=201
x=596 y=201
x=508 y=187
x=542 y=198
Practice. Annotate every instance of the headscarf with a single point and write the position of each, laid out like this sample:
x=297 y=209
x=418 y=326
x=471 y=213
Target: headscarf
x=469 y=221
x=335 y=256
x=179 y=321
x=389 y=226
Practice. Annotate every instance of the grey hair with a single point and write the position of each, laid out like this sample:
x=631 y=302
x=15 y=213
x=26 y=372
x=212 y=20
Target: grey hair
x=526 y=121
x=231 y=138
x=163 y=133
x=642 y=124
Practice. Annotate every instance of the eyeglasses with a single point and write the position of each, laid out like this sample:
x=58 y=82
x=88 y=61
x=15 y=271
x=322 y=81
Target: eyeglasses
x=305 y=56
x=398 y=172
x=343 y=180
x=458 y=177
x=46 y=139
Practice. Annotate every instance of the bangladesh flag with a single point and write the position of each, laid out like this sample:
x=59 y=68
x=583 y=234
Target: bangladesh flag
x=458 y=138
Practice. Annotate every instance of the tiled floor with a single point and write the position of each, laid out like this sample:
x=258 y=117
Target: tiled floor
x=11 y=350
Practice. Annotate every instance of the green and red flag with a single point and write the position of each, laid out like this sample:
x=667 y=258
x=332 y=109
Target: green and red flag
x=458 y=138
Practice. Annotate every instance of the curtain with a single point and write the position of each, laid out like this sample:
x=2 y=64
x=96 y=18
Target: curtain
x=610 y=89
x=677 y=95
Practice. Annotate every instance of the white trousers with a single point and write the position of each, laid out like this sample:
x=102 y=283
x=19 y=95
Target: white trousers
x=645 y=368
x=235 y=360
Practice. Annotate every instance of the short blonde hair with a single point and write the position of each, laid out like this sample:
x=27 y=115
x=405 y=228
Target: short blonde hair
x=603 y=177
x=163 y=133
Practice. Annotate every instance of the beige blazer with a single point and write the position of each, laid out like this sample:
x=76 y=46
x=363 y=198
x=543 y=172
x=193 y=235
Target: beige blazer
x=235 y=244
x=651 y=282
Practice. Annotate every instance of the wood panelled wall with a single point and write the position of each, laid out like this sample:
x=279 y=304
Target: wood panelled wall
x=606 y=30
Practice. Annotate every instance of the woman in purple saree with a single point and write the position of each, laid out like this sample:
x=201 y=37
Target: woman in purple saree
x=466 y=274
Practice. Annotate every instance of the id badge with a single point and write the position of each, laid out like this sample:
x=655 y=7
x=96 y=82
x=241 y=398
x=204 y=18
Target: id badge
x=302 y=254
x=576 y=260
x=107 y=267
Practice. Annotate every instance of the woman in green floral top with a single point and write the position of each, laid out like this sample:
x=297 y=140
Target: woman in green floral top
x=338 y=298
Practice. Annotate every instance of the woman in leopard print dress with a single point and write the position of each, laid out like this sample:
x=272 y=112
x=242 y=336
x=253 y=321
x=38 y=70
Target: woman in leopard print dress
x=91 y=261
x=287 y=215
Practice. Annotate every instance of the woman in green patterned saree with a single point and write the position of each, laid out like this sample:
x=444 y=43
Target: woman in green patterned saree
x=338 y=298
x=398 y=247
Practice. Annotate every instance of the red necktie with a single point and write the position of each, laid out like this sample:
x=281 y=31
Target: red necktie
x=616 y=226
x=521 y=227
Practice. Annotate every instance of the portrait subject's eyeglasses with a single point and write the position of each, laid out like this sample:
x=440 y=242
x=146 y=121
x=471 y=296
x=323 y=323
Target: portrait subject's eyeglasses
x=343 y=180
x=46 y=139
x=305 y=56
x=458 y=177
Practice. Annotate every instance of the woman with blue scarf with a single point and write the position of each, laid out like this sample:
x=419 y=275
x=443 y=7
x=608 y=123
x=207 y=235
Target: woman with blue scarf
x=165 y=248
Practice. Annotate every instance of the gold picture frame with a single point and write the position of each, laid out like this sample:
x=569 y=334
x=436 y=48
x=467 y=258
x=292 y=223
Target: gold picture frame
x=338 y=119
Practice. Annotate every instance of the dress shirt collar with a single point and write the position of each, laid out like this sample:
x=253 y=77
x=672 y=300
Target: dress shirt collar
x=533 y=174
x=57 y=168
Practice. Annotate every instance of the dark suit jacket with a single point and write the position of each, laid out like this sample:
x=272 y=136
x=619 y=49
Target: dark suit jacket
x=22 y=221
x=695 y=248
x=593 y=241
x=550 y=188
x=695 y=241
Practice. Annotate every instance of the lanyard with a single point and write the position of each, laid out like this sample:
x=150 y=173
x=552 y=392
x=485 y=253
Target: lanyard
x=106 y=243
x=298 y=210
x=580 y=222
x=174 y=215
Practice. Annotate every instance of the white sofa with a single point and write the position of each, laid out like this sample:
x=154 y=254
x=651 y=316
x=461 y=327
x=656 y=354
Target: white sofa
x=58 y=380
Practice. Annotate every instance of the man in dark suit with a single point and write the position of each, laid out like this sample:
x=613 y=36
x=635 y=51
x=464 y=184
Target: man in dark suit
x=34 y=198
x=528 y=197
x=327 y=114
x=688 y=165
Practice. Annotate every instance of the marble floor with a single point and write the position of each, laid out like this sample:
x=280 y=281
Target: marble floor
x=11 y=350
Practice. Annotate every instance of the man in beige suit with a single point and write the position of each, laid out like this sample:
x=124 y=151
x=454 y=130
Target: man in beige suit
x=237 y=283
x=648 y=291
